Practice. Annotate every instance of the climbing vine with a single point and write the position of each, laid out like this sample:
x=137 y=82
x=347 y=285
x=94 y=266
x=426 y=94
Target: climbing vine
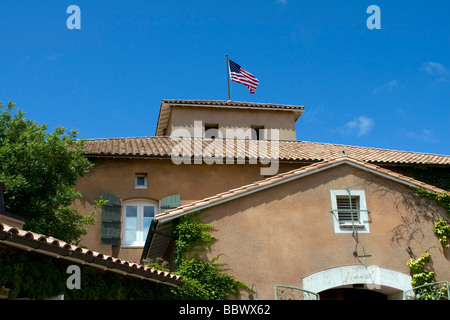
x=203 y=279
x=438 y=176
x=441 y=228
x=422 y=277
x=442 y=231
x=192 y=235
x=419 y=274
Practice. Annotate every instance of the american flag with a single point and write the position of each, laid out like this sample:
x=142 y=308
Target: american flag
x=238 y=74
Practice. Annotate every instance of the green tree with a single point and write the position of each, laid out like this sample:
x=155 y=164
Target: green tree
x=39 y=170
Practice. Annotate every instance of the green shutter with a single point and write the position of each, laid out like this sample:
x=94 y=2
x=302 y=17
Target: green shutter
x=110 y=233
x=170 y=202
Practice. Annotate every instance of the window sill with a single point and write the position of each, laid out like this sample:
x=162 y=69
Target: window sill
x=350 y=226
x=132 y=247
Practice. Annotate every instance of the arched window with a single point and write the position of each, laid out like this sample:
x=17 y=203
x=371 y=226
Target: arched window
x=137 y=216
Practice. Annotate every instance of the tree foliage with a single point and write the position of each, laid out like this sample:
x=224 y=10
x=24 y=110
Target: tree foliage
x=39 y=169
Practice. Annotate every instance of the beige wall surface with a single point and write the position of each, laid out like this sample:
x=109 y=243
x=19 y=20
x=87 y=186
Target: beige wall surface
x=283 y=234
x=192 y=181
x=184 y=117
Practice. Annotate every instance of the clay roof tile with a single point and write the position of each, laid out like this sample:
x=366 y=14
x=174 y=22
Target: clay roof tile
x=301 y=151
x=12 y=236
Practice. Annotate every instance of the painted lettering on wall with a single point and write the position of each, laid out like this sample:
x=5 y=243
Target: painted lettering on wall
x=371 y=277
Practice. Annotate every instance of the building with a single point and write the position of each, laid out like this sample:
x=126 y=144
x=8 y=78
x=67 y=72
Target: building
x=296 y=229
x=284 y=209
x=19 y=242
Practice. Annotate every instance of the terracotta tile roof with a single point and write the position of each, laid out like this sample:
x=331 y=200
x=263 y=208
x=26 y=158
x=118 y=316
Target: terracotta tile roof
x=14 y=237
x=288 y=176
x=165 y=108
x=229 y=103
x=298 y=151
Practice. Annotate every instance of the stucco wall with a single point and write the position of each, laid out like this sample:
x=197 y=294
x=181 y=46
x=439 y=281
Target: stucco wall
x=283 y=234
x=193 y=182
x=184 y=117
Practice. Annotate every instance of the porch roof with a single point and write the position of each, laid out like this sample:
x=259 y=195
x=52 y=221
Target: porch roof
x=26 y=240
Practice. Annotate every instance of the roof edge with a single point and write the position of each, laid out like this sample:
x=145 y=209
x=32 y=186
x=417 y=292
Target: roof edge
x=30 y=241
x=290 y=176
x=166 y=104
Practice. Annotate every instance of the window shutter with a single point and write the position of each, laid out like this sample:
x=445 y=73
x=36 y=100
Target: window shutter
x=110 y=231
x=347 y=210
x=170 y=202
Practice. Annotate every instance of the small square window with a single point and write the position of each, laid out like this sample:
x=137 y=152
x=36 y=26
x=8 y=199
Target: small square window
x=349 y=211
x=140 y=181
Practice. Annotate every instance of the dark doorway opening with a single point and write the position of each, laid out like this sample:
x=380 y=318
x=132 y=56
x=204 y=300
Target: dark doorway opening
x=351 y=294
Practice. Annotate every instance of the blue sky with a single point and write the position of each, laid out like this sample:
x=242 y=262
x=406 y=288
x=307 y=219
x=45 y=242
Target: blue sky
x=385 y=88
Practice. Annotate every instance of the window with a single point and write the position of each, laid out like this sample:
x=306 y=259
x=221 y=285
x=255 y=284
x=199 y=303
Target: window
x=211 y=131
x=140 y=181
x=136 y=219
x=349 y=211
x=257 y=132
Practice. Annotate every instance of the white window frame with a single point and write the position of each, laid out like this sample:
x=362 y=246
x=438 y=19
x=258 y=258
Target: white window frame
x=140 y=175
x=362 y=225
x=141 y=235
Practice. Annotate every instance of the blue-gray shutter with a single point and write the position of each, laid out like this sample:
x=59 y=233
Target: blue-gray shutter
x=170 y=202
x=110 y=232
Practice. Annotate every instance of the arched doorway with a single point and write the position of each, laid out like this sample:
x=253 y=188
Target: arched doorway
x=351 y=294
x=358 y=282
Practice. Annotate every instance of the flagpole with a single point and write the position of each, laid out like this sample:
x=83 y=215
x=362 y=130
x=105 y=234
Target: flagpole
x=228 y=77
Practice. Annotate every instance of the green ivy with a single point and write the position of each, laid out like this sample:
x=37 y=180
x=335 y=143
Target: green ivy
x=438 y=176
x=442 y=231
x=421 y=276
x=191 y=235
x=443 y=198
x=441 y=228
x=203 y=279
x=36 y=276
